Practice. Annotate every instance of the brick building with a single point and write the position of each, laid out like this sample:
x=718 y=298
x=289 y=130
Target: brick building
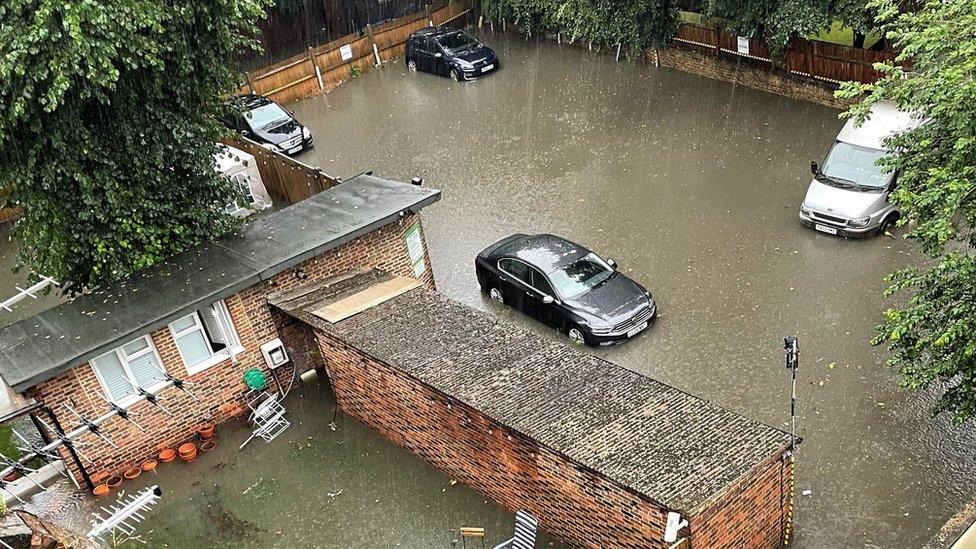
x=600 y=454
x=202 y=316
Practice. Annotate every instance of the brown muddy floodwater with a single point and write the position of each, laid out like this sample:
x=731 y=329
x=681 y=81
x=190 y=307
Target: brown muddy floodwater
x=693 y=186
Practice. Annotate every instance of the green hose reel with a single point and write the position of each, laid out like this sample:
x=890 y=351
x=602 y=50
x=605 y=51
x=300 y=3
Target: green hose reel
x=255 y=380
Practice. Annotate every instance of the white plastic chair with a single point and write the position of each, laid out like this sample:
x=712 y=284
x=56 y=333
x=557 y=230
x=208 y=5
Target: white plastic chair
x=526 y=528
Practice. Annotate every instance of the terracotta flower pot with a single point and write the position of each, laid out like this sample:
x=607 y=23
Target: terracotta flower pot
x=132 y=473
x=149 y=465
x=167 y=455
x=208 y=445
x=114 y=482
x=188 y=451
x=206 y=431
x=100 y=490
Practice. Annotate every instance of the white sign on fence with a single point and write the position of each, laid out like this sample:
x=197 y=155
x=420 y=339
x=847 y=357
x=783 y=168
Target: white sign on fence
x=346 y=52
x=743 y=44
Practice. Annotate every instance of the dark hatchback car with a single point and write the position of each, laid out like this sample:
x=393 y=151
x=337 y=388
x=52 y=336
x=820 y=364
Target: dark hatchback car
x=260 y=119
x=448 y=52
x=565 y=286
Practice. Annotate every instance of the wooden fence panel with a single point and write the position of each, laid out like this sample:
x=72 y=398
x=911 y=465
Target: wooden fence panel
x=284 y=176
x=820 y=60
x=295 y=78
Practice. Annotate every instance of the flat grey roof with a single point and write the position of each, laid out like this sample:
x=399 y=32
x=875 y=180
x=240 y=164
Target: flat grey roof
x=673 y=448
x=41 y=347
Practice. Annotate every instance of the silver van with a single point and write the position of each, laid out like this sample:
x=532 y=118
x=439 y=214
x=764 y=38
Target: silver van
x=849 y=192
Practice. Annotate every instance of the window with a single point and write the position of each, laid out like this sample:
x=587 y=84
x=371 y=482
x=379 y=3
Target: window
x=205 y=337
x=539 y=282
x=242 y=184
x=515 y=268
x=125 y=369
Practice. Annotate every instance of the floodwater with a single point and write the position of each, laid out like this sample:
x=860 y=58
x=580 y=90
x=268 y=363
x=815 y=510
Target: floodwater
x=311 y=487
x=692 y=186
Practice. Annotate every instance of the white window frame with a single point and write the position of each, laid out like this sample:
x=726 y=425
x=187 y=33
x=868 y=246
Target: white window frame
x=124 y=360
x=226 y=323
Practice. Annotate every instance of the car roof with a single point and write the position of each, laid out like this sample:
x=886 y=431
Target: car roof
x=545 y=251
x=252 y=100
x=883 y=121
x=434 y=31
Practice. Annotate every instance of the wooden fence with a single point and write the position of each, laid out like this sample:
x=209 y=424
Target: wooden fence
x=821 y=60
x=324 y=67
x=284 y=176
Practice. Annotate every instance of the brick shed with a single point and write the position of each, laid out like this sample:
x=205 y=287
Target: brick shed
x=600 y=454
x=105 y=345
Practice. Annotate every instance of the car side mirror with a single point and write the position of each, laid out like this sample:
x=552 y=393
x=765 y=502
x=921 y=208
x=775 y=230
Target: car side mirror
x=547 y=299
x=438 y=55
x=814 y=168
x=612 y=263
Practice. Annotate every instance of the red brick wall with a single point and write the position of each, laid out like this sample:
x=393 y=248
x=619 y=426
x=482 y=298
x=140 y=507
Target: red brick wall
x=220 y=388
x=750 y=514
x=571 y=502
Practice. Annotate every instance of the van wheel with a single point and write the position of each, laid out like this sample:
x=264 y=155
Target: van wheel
x=887 y=224
x=455 y=76
x=412 y=65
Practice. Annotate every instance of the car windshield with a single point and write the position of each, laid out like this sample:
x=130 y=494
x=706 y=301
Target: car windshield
x=580 y=276
x=456 y=42
x=847 y=164
x=266 y=116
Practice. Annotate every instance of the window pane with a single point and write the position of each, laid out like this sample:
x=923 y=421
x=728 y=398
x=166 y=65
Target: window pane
x=113 y=376
x=193 y=347
x=540 y=283
x=517 y=269
x=134 y=347
x=146 y=370
x=183 y=323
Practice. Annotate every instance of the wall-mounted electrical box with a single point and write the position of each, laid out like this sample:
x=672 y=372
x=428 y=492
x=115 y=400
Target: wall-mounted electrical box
x=274 y=353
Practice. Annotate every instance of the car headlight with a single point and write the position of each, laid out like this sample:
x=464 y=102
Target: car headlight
x=860 y=221
x=271 y=147
x=804 y=210
x=464 y=64
x=306 y=134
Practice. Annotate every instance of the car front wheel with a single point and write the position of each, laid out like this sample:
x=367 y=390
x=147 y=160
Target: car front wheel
x=496 y=294
x=576 y=335
x=412 y=65
x=454 y=75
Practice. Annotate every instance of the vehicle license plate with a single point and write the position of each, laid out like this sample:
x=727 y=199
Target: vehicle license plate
x=825 y=229
x=636 y=330
x=295 y=150
x=487 y=68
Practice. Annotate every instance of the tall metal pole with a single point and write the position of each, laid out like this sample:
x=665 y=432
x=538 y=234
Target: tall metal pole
x=792 y=363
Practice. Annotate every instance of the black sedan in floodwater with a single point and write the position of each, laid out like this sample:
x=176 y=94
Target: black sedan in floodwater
x=447 y=52
x=262 y=120
x=565 y=286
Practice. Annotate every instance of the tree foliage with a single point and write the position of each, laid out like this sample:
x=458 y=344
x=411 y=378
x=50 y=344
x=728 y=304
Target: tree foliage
x=777 y=21
x=932 y=338
x=107 y=128
x=635 y=23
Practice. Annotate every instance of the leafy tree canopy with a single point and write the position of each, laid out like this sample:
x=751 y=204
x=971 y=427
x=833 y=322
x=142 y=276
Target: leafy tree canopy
x=932 y=338
x=107 y=128
x=635 y=23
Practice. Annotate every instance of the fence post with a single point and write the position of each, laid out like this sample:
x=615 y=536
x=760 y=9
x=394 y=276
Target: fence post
x=372 y=40
x=315 y=68
x=250 y=85
x=718 y=40
x=430 y=20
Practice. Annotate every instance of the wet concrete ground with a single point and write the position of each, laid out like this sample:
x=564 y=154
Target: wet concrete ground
x=311 y=487
x=692 y=185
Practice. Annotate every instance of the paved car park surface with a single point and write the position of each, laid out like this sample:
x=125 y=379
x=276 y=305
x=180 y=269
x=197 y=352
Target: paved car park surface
x=692 y=186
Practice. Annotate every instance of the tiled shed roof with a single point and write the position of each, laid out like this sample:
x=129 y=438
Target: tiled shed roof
x=676 y=449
